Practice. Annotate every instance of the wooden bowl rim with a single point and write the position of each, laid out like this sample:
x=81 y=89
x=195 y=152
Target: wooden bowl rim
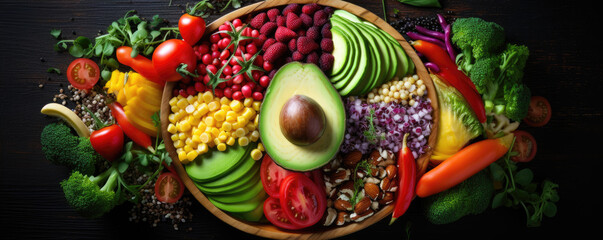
x=316 y=232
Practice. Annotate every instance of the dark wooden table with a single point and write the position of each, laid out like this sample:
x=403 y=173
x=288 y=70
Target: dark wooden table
x=564 y=66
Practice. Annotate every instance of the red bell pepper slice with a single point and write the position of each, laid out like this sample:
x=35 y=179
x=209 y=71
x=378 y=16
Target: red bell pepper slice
x=137 y=136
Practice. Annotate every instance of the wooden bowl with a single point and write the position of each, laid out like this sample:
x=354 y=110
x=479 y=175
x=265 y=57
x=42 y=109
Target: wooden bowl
x=317 y=232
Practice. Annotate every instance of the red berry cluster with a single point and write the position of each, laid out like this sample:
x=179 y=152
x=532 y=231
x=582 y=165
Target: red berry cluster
x=215 y=53
x=296 y=33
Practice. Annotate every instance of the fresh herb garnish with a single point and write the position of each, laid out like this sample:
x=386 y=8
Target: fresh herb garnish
x=519 y=189
x=358 y=182
x=53 y=70
x=56 y=33
x=371 y=134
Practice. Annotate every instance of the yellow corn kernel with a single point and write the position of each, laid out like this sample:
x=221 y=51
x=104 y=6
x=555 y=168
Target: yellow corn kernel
x=261 y=147
x=173 y=101
x=178 y=143
x=194 y=121
x=196 y=138
x=231 y=116
x=242 y=121
x=243 y=141
x=256 y=154
x=182 y=156
x=201 y=126
x=213 y=106
x=256 y=120
x=221 y=147
x=189 y=108
x=184 y=126
x=171 y=128
x=192 y=155
x=209 y=121
x=236 y=105
x=226 y=126
x=248 y=102
x=240 y=132
x=182 y=136
x=205 y=137
x=225 y=107
x=187 y=148
x=208 y=97
x=202 y=148
x=235 y=125
x=215 y=132
x=256 y=105
x=216 y=141
x=223 y=136
x=220 y=115
x=191 y=99
x=182 y=103
x=254 y=136
x=172 y=118
x=203 y=109
x=250 y=127
x=179 y=150
x=248 y=113
x=188 y=141
x=174 y=137
x=224 y=101
x=211 y=144
x=174 y=109
x=230 y=141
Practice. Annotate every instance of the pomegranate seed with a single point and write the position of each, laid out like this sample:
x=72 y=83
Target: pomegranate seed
x=238 y=95
x=215 y=54
x=237 y=22
x=251 y=48
x=214 y=47
x=267 y=66
x=256 y=75
x=236 y=87
x=236 y=69
x=258 y=96
x=213 y=69
x=227 y=70
x=182 y=93
x=203 y=48
x=264 y=81
x=255 y=33
x=206 y=59
x=214 y=38
x=238 y=79
x=206 y=79
x=246 y=90
x=228 y=92
x=199 y=87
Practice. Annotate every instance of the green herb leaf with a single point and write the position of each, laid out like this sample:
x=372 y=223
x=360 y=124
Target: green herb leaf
x=53 y=70
x=524 y=177
x=56 y=33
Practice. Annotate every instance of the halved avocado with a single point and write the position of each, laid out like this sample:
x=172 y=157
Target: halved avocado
x=215 y=164
x=298 y=79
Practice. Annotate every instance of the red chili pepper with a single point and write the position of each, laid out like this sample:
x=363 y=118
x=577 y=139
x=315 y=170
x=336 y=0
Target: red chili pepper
x=139 y=137
x=407 y=178
x=450 y=72
x=139 y=64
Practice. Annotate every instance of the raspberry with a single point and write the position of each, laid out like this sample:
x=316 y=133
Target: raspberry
x=292 y=45
x=272 y=13
x=258 y=21
x=305 y=45
x=306 y=19
x=297 y=56
x=320 y=18
x=268 y=28
x=284 y=34
x=260 y=40
x=326 y=31
x=293 y=22
x=293 y=7
x=313 y=58
x=310 y=8
x=275 y=52
x=268 y=43
x=281 y=21
x=326 y=61
x=326 y=44
x=313 y=33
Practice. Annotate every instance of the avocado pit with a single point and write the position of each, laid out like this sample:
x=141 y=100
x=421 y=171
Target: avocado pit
x=302 y=120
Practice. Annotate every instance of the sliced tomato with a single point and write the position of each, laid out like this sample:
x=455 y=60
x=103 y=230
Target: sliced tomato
x=83 y=73
x=525 y=146
x=272 y=175
x=539 y=112
x=318 y=178
x=274 y=213
x=302 y=200
x=169 y=187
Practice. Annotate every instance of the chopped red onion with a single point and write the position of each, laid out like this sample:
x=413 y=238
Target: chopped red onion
x=391 y=121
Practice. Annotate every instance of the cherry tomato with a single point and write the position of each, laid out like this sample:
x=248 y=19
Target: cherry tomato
x=272 y=175
x=525 y=146
x=172 y=54
x=83 y=73
x=191 y=28
x=539 y=112
x=169 y=188
x=274 y=213
x=108 y=141
x=302 y=200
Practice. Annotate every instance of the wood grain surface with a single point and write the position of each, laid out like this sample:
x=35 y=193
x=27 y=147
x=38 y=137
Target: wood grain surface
x=564 y=66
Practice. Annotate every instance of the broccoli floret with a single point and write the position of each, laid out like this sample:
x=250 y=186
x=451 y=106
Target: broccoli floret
x=476 y=38
x=61 y=147
x=485 y=73
x=57 y=143
x=517 y=97
x=92 y=196
x=471 y=196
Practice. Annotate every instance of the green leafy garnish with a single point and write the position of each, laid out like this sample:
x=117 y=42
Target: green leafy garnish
x=53 y=70
x=371 y=134
x=519 y=190
x=56 y=33
x=358 y=182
